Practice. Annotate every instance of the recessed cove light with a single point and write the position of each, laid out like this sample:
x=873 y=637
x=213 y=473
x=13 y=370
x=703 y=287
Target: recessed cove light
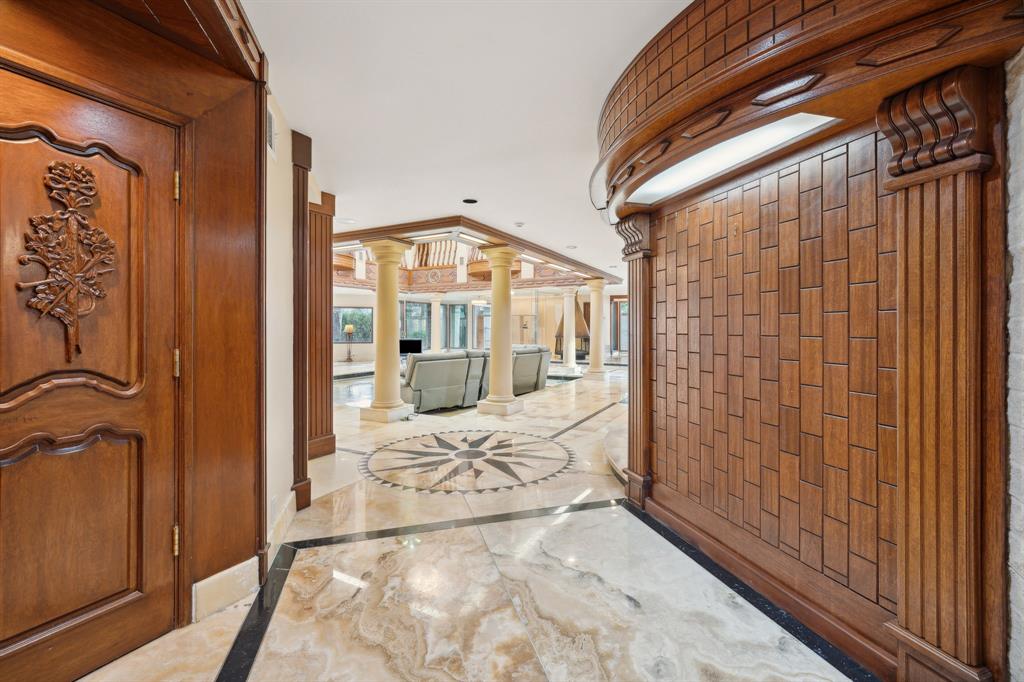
x=469 y=201
x=727 y=154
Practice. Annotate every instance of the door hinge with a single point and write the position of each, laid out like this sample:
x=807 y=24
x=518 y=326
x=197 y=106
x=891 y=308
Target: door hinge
x=177 y=186
x=176 y=540
x=177 y=363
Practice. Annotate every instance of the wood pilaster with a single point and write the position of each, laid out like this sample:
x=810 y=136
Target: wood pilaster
x=320 y=418
x=302 y=161
x=635 y=232
x=940 y=140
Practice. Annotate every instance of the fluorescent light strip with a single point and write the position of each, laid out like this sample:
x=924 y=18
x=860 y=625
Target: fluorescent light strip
x=429 y=237
x=725 y=155
x=473 y=239
x=348 y=247
x=531 y=259
x=557 y=267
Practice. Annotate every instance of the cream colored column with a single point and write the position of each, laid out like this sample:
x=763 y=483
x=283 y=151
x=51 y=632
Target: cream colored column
x=387 y=405
x=435 y=323
x=569 y=328
x=500 y=399
x=596 y=325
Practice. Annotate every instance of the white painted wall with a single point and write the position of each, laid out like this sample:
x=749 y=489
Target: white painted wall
x=1015 y=379
x=278 y=350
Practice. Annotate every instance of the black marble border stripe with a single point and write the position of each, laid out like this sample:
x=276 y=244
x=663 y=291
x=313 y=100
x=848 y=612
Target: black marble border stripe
x=572 y=426
x=812 y=640
x=239 y=661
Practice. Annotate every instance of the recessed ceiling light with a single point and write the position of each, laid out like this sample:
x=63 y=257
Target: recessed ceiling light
x=613 y=266
x=347 y=221
x=469 y=201
x=570 y=246
x=519 y=224
x=725 y=155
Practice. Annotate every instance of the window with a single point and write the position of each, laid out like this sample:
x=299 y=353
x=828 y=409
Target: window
x=454 y=329
x=360 y=318
x=416 y=321
x=620 y=325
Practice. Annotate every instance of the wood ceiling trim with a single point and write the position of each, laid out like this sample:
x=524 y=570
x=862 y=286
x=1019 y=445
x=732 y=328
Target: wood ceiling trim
x=492 y=234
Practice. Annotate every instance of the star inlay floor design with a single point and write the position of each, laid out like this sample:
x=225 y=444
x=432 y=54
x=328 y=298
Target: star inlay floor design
x=469 y=461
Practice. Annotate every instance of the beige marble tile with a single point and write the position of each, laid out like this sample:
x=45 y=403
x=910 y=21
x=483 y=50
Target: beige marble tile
x=365 y=505
x=606 y=598
x=424 y=607
x=192 y=654
x=570 y=488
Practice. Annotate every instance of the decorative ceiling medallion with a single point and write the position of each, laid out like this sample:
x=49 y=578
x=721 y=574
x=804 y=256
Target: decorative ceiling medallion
x=707 y=122
x=470 y=461
x=74 y=254
x=791 y=87
x=907 y=46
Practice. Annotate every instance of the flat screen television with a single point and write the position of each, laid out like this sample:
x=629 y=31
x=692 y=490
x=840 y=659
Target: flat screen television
x=406 y=346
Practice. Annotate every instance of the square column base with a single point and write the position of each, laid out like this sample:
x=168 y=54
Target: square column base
x=485 y=406
x=385 y=414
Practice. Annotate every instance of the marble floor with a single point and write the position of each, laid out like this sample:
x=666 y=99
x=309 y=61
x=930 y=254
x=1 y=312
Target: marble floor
x=459 y=546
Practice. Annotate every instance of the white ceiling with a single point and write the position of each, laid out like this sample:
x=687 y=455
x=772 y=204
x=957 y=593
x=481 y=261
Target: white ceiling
x=415 y=105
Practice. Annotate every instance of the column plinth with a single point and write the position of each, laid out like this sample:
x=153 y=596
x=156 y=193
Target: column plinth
x=387 y=405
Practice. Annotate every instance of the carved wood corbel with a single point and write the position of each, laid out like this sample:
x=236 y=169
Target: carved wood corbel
x=941 y=144
x=635 y=232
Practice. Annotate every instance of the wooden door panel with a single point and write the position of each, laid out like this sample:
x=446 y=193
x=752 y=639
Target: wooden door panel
x=89 y=488
x=87 y=396
x=110 y=333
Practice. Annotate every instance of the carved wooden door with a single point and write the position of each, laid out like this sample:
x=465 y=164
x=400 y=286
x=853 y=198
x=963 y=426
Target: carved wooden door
x=87 y=394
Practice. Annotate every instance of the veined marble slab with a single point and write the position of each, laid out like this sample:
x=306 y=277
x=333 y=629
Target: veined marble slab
x=605 y=598
x=420 y=607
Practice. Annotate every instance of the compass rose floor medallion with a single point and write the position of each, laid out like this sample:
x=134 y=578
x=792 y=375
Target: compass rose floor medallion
x=472 y=461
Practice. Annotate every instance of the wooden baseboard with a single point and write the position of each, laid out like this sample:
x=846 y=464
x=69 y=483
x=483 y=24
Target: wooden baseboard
x=637 y=487
x=322 y=446
x=918 y=660
x=303 y=494
x=863 y=649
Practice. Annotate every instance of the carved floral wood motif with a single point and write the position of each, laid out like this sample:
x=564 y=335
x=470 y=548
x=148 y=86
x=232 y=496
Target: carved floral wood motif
x=74 y=254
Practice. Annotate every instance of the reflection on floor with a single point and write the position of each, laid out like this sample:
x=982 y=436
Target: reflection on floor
x=459 y=546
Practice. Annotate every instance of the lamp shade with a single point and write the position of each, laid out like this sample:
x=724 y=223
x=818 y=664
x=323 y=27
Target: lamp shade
x=350 y=329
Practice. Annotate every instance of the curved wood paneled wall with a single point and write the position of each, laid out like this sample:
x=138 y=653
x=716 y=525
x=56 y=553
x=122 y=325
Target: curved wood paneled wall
x=817 y=394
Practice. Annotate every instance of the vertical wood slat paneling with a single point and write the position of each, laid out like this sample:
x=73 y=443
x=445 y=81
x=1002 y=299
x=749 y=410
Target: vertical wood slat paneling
x=771 y=292
x=320 y=430
x=939 y=419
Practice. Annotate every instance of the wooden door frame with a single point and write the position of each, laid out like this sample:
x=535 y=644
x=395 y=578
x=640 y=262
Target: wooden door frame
x=180 y=111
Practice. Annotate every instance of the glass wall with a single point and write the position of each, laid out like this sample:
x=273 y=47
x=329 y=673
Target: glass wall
x=620 y=326
x=360 y=318
x=415 y=321
x=454 y=325
x=481 y=326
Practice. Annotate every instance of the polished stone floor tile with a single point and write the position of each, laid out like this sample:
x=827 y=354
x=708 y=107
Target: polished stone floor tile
x=605 y=598
x=191 y=654
x=365 y=505
x=426 y=607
